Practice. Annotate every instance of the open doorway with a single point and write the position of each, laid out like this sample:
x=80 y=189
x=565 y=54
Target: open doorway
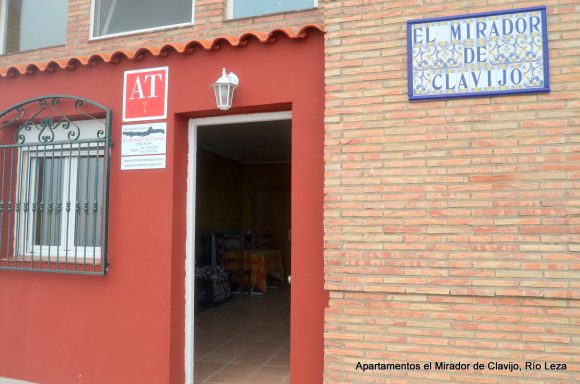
x=241 y=249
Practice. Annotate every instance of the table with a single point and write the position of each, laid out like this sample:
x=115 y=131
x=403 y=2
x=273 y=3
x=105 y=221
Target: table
x=260 y=263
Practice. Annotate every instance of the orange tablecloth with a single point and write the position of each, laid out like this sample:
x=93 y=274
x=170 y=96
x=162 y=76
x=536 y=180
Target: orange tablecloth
x=261 y=262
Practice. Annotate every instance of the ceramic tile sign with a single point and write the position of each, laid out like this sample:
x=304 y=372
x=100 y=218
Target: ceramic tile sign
x=486 y=54
x=145 y=94
x=143 y=146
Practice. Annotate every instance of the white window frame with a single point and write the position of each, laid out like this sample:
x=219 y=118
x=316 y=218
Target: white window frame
x=93 y=37
x=230 y=11
x=66 y=251
x=3 y=24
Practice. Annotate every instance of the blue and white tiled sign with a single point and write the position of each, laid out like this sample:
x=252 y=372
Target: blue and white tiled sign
x=478 y=55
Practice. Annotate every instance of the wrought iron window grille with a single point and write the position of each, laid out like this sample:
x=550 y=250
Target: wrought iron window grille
x=54 y=173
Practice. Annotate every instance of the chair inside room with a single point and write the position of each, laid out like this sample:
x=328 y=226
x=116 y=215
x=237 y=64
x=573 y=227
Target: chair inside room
x=212 y=284
x=265 y=241
x=233 y=260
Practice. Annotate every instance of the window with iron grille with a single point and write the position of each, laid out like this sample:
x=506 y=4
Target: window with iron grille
x=54 y=171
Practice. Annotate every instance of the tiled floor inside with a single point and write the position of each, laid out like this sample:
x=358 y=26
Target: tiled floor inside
x=245 y=340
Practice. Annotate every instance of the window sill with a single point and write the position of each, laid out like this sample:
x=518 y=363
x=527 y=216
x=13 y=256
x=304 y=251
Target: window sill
x=61 y=259
x=31 y=50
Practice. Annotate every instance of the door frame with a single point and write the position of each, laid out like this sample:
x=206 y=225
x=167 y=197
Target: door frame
x=193 y=126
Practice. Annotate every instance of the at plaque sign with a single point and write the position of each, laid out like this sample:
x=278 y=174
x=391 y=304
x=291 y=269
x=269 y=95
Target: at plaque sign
x=485 y=54
x=145 y=94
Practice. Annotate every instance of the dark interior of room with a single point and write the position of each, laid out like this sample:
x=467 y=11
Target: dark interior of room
x=243 y=253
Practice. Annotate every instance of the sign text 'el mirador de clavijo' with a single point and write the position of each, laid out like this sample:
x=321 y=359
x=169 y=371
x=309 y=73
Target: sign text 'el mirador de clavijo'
x=504 y=52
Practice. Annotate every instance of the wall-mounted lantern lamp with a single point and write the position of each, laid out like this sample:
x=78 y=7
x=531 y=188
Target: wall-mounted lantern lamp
x=224 y=89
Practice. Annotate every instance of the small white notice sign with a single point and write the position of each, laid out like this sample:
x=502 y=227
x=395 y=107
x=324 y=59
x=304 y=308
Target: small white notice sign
x=143 y=146
x=144 y=139
x=142 y=162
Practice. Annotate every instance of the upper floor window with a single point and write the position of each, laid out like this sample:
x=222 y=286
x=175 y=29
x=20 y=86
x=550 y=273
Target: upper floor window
x=32 y=24
x=248 y=8
x=112 y=17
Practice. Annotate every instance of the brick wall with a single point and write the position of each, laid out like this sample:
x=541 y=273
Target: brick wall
x=451 y=227
x=210 y=22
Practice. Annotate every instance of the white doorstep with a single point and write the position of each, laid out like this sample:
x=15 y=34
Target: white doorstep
x=12 y=381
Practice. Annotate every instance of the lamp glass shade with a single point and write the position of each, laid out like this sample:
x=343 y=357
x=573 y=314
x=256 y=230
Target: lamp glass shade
x=224 y=90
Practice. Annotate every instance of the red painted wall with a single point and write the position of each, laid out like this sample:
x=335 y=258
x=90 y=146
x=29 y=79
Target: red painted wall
x=128 y=327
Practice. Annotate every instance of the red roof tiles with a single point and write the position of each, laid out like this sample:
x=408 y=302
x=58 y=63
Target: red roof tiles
x=137 y=54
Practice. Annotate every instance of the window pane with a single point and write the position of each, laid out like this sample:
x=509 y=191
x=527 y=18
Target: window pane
x=246 y=8
x=116 y=16
x=48 y=195
x=33 y=24
x=89 y=196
